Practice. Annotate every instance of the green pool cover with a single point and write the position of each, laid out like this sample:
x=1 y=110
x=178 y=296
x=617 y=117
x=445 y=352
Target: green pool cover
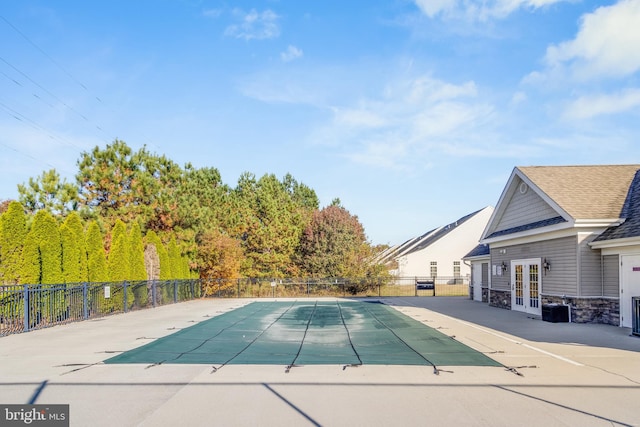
x=308 y=333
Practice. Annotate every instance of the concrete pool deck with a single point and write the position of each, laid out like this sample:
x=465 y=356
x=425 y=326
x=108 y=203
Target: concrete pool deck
x=560 y=374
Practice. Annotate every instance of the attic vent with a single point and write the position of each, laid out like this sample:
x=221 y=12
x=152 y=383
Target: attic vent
x=523 y=187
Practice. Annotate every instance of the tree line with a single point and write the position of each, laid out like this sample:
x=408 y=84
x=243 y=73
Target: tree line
x=136 y=215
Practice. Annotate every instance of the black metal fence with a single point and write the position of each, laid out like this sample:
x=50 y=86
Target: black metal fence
x=28 y=307
x=295 y=288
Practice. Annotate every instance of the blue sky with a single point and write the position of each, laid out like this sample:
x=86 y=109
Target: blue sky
x=412 y=112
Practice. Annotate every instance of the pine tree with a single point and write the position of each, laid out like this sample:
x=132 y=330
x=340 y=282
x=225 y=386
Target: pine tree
x=13 y=231
x=96 y=257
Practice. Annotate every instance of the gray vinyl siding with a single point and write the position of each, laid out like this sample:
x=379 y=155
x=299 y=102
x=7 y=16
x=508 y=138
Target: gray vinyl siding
x=561 y=253
x=590 y=269
x=485 y=274
x=611 y=275
x=524 y=209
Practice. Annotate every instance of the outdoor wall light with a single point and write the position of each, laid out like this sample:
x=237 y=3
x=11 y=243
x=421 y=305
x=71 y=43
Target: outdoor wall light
x=546 y=265
x=504 y=266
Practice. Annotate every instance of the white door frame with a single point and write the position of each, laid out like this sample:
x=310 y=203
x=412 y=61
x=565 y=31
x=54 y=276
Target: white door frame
x=477 y=281
x=526 y=285
x=629 y=286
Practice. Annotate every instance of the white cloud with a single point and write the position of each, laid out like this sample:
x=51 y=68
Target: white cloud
x=254 y=25
x=291 y=53
x=587 y=107
x=518 y=98
x=212 y=13
x=411 y=121
x=607 y=44
x=478 y=10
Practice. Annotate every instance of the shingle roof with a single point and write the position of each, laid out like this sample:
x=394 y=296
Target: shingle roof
x=585 y=192
x=631 y=212
x=480 y=250
x=530 y=226
x=429 y=239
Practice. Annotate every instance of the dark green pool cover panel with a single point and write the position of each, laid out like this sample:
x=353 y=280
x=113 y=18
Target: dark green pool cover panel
x=308 y=333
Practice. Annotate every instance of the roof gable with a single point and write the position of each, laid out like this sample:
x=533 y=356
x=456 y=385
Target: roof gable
x=584 y=192
x=563 y=195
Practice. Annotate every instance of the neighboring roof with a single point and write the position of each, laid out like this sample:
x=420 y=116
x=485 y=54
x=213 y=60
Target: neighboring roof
x=440 y=233
x=424 y=240
x=585 y=192
x=478 y=251
x=631 y=213
x=399 y=250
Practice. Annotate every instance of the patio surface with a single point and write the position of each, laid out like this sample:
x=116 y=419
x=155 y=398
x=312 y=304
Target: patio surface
x=551 y=374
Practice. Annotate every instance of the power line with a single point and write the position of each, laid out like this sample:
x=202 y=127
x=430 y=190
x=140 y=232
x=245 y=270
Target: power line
x=33 y=123
x=45 y=54
x=65 y=71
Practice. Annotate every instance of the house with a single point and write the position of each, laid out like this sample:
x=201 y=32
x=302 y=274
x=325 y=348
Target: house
x=439 y=252
x=567 y=235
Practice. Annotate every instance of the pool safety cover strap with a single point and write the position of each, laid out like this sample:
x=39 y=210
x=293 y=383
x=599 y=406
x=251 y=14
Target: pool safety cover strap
x=308 y=333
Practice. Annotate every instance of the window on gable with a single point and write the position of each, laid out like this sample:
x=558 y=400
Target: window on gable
x=456 y=268
x=434 y=268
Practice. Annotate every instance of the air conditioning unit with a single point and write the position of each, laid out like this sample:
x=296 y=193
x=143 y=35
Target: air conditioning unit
x=635 y=315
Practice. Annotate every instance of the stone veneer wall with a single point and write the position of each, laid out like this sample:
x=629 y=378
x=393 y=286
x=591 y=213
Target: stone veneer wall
x=500 y=299
x=589 y=310
x=583 y=310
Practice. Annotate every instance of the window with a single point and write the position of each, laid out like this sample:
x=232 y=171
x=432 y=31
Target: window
x=434 y=268
x=456 y=269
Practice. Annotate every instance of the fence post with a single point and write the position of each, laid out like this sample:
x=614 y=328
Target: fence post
x=85 y=301
x=26 y=308
x=415 y=286
x=124 y=296
x=175 y=291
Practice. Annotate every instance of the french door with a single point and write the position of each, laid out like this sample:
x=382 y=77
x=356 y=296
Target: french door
x=526 y=285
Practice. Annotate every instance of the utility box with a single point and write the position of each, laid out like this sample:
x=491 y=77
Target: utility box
x=635 y=316
x=555 y=313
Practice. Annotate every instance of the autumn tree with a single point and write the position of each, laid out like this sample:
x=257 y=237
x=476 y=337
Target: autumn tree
x=219 y=260
x=13 y=231
x=333 y=244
